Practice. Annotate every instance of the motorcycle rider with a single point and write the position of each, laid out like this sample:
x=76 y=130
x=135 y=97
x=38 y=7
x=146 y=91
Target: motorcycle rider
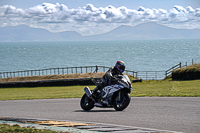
x=110 y=76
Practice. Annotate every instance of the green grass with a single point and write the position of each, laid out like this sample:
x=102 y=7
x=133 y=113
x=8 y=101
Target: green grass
x=167 y=88
x=163 y=88
x=4 y=128
x=41 y=92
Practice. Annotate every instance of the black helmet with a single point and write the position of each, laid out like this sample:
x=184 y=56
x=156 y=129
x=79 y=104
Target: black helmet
x=120 y=66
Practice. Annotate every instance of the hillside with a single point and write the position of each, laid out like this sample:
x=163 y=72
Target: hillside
x=141 y=31
x=27 y=34
x=149 y=31
x=187 y=73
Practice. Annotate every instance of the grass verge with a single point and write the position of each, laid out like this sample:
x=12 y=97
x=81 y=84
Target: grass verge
x=5 y=128
x=164 y=88
x=167 y=88
x=191 y=68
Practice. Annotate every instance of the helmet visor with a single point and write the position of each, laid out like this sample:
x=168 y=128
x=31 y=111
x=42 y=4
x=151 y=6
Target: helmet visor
x=121 y=68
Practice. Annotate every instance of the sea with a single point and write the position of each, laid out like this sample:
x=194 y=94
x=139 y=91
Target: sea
x=138 y=55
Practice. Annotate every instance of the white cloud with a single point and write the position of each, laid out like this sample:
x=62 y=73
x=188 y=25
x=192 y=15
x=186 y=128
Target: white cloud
x=90 y=20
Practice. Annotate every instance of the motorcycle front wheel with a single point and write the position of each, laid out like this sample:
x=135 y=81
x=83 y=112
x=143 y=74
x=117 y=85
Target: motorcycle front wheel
x=122 y=103
x=86 y=103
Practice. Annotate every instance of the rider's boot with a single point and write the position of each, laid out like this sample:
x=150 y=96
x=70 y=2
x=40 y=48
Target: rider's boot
x=104 y=101
x=97 y=93
x=95 y=89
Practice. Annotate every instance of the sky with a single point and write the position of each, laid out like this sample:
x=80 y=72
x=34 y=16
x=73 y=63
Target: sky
x=90 y=17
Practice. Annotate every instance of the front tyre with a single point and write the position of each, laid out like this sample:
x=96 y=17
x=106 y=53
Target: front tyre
x=123 y=102
x=86 y=103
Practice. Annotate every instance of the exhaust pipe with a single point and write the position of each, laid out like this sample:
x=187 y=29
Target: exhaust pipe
x=88 y=92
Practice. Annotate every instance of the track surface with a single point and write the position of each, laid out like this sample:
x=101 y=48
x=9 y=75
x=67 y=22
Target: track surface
x=167 y=113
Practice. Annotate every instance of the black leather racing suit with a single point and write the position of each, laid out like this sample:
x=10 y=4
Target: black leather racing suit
x=109 y=77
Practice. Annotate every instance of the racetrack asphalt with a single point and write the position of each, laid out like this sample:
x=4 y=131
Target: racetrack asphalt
x=181 y=114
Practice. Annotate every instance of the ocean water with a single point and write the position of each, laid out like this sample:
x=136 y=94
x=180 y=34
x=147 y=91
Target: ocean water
x=138 y=55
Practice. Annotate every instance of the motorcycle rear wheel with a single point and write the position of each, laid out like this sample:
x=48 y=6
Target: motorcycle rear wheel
x=123 y=103
x=86 y=103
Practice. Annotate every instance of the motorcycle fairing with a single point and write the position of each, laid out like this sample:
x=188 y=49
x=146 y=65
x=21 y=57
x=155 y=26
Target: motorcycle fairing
x=108 y=90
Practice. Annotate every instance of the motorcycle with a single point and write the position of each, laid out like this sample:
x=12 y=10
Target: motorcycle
x=116 y=95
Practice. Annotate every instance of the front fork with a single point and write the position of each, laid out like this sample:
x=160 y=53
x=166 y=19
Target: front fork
x=119 y=96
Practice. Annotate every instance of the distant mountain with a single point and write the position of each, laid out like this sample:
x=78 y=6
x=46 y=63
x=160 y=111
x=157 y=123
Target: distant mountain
x=148 y=31
x=142 y=31
x=27 y=34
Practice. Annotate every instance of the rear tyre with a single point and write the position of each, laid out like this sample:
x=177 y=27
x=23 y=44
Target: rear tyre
x=86 y=103
x=123 y=102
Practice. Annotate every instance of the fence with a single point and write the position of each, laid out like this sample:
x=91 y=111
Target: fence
x=151 y=75
x=169 y=71
x=59 y=71
x=158 y=75
x=145 y=75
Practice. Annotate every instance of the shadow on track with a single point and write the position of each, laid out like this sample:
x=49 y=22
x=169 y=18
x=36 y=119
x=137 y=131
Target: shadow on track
x=95 y=111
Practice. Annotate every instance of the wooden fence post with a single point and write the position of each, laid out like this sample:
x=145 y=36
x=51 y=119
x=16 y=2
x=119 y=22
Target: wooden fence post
x=96 y=68
x=62 y=71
